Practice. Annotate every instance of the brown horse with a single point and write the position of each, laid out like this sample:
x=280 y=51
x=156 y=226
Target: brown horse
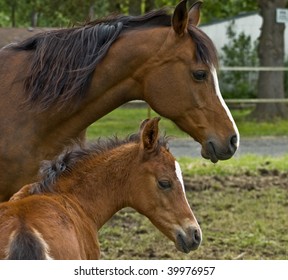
x=55 y=84
x=58 y=217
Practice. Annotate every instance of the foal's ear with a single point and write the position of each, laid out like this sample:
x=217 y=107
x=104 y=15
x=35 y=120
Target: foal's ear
x=150 y=134
x=143 y=123
x=194 y=13
x=180 y=18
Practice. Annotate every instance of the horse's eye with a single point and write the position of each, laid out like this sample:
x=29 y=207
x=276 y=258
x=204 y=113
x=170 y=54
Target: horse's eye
x=164 y=184
x=200 y=75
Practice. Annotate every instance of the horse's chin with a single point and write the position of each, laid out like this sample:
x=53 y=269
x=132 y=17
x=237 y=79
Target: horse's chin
x=209 y=153
x=215 y=150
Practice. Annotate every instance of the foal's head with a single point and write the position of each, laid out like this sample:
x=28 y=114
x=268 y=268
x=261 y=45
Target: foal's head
x=158 y=191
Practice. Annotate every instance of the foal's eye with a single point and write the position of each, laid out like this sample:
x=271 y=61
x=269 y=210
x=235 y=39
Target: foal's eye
x=199 y=75
x=164 y=184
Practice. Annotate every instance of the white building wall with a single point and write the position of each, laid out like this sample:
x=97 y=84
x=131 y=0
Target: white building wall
x=250 y=24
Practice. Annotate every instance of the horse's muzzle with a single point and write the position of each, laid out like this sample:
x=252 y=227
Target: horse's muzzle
x=214 y=151
x=189 y=240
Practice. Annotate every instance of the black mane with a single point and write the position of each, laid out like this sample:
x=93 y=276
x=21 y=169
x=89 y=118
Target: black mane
x=62 y=61
x=65 y=163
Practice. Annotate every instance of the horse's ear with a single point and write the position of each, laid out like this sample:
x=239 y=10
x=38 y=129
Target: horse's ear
x=150 y=134
x=180 y=18
x=194 y=13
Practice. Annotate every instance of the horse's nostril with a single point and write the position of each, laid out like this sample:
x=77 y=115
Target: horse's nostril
x=234 y=141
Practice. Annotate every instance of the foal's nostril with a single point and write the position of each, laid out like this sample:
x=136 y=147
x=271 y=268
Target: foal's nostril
x=188 y=240
x=196 y=235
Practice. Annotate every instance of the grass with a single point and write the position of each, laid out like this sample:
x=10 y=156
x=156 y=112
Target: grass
x=240 y=204
x=235 y=166
x=236 y=224
x=239 y=222
x=124 y=121
x=248 y=128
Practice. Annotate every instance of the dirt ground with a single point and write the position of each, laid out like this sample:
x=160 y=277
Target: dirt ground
x=247 y=181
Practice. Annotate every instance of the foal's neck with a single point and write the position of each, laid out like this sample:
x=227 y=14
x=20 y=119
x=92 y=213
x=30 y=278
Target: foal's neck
x=101 y=184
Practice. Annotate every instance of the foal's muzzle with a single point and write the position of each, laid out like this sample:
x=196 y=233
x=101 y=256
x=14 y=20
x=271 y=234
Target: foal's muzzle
x=189 y=240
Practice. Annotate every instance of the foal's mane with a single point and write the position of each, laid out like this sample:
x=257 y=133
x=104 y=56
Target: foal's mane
x=72 y=157
x=62 y=61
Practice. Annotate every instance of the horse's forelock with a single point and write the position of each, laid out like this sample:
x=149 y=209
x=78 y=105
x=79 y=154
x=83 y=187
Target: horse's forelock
x=205 y=49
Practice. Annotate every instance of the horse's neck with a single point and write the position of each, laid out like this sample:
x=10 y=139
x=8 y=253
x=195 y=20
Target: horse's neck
x=100 y=186
x=117 y=79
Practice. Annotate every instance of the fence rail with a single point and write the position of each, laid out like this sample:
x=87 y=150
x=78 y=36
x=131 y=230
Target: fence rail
x=249 y=68
x=256 y=100
x=240 y=102
x=228 y=101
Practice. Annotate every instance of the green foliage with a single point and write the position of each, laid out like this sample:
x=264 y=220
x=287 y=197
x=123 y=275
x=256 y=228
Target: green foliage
x=50 y=13
x=4 y=19
x=215 y=10
x=53 y=13
x=240 y=51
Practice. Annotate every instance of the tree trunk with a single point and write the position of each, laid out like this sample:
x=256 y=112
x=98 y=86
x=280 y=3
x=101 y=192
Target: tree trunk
x=149 y=5
x=271 y=54
x=34 y=19
x=92 y=10
x=135 y=7
x=13 y=13
x=114 y=6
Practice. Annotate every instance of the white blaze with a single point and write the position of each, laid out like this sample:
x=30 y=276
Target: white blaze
x=180 y=178
x=217 y=89
x=179 y=175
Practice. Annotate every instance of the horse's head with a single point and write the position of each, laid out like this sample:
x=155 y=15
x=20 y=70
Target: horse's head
x=160 y=191
x=183 y=86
